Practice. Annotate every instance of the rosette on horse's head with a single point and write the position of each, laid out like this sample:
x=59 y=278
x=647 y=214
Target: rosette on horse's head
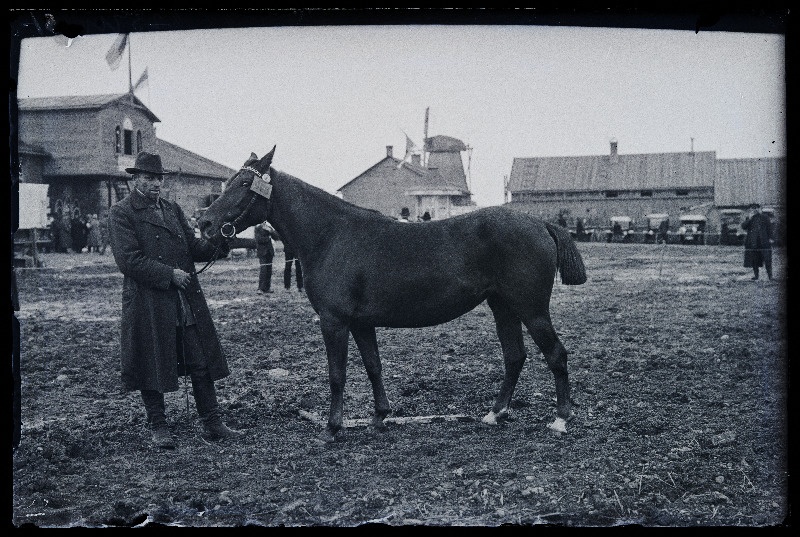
x=244 y=202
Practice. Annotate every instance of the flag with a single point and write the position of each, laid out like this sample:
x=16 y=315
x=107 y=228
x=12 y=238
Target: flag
x=410 y=147
x=114 y=54
x=142 y=80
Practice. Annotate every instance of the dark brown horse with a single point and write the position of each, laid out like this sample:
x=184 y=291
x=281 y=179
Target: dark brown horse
x=364 y=270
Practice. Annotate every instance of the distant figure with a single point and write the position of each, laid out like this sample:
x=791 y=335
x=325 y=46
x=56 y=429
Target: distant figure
x=580 y=230
x=404 y=214
x=104 y=239
x=78 y=230
x=663 y=229
x=758 y=242
x=562 y=221
x=426 y=216
x=290 y=258
x=93 y=239
x=265 y=250
x=64 y=223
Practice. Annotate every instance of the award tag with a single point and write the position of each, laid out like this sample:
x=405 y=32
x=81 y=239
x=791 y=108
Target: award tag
x=262 y=186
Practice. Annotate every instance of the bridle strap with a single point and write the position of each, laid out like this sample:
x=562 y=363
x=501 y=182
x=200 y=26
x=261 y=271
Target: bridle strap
x=232 y=225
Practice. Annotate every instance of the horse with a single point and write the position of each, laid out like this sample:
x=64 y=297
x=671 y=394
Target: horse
x=363 y=269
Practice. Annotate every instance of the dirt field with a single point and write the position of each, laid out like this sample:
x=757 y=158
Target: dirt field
x=677 y=362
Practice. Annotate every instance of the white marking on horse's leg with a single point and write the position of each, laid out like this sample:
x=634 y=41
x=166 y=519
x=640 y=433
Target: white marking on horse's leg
x=559 y=425
x=491 y=418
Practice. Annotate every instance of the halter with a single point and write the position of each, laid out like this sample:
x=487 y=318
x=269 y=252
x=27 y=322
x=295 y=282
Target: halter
x=228 y=229
x=231 y=226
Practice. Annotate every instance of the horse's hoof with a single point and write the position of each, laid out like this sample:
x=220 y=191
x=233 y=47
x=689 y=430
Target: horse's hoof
x=559 y=425
x=379 y=424
x=327 y=437
x=491 y=418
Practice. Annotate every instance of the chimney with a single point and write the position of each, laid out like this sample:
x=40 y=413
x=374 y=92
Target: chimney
x=388 y=151
x=614 y=157
x=415 y=159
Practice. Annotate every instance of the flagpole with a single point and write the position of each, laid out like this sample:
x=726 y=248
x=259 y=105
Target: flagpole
x=130 y=73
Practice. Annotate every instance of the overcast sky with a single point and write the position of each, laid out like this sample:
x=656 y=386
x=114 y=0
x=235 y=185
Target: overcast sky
x=333 y=97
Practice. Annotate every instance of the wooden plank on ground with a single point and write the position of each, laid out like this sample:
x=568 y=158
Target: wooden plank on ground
x=360 y=422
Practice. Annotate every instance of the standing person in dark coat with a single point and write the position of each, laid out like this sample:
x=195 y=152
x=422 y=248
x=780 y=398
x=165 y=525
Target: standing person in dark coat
x=265 y=250
x=79 y=231
x=290 y=258
x=167 y=329
x=758 y=242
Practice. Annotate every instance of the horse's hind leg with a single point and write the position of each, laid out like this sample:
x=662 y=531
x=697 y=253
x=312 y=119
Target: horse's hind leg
x=555 y=355
x=509 y=331
x=367 y=343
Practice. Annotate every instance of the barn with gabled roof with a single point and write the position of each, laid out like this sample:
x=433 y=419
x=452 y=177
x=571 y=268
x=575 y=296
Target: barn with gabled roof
x=438 y=187
x=597 y=187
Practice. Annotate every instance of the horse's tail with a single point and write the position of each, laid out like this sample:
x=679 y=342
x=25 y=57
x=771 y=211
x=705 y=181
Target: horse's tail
x=569 y=260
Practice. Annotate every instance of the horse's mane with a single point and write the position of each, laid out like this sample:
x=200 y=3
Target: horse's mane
x=327 y=198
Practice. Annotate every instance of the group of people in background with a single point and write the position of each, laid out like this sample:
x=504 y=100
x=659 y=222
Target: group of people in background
x=72 y=232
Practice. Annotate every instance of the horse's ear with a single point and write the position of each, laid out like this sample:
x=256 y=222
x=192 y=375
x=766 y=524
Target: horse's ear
x=267 y=160
x=252 y=159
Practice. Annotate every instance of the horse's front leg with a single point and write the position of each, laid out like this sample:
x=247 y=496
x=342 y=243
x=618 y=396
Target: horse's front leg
x=335 y=335
x=367 y=343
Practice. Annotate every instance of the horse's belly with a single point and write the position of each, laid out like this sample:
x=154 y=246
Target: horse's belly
x=418 y=313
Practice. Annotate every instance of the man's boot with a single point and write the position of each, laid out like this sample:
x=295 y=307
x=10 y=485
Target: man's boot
x=205 y=397
x=157 y=419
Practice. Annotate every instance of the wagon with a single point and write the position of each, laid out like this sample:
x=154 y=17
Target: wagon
x=621 y=229
x=731 y=232
x=692 y=229
x=657 y=227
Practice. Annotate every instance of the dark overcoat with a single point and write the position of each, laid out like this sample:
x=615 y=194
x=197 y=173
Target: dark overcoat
x=146 y=250
x=757 y=243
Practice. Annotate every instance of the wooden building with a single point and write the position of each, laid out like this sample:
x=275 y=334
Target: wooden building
x=597 y=187
x=81 y=145
x=438 y=187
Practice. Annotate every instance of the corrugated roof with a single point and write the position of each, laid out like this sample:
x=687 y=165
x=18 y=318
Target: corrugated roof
x=175 y=157
x=750 y=180
x=80 y=102
x=598 y=172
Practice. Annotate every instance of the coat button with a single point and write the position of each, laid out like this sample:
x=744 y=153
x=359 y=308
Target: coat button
x=198 y=291
x=160 y=257
x=158 y=236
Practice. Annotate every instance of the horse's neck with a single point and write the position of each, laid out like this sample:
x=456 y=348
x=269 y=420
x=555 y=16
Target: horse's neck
x=302 y=214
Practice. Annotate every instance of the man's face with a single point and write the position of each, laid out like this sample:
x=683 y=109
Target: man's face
x=149 y=184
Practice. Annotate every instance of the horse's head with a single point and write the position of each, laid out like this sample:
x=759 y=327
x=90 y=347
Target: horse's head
x=244 y=202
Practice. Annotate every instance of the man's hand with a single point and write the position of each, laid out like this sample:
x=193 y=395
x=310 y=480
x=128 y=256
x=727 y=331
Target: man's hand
x=180 y=278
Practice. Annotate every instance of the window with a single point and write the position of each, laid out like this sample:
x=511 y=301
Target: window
x=127 y=133
x=612 y=193
x=128 y=142
x=681 y=192
x=138 y=141
x=117 y=140
x=646 y=193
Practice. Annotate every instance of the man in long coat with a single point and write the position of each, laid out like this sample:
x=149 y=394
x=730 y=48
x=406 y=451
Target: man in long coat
x=167 y=329
x=265 y=250
x=758 y=242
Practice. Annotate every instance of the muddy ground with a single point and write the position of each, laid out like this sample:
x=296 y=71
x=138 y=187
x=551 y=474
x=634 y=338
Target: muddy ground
x=677 y=361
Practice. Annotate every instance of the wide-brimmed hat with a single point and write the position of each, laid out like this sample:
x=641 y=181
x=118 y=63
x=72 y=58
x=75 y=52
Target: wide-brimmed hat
x=148 y=163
